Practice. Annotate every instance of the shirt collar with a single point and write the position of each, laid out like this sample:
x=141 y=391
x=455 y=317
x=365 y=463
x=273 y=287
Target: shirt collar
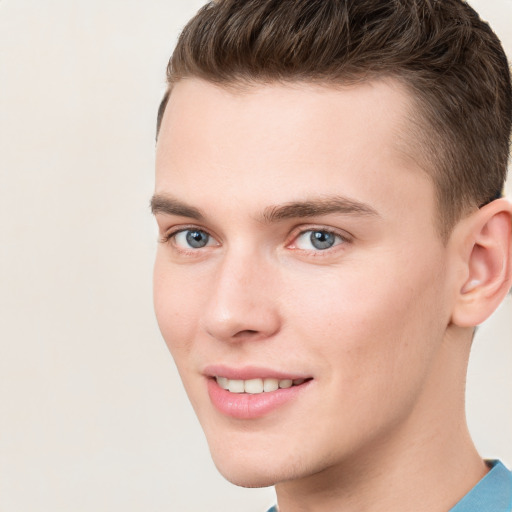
x=492 y=493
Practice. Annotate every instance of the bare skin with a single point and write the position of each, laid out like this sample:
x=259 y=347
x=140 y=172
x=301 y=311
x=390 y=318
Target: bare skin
x=377 y=312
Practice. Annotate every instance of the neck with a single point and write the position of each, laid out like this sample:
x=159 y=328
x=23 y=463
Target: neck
x=426 y=464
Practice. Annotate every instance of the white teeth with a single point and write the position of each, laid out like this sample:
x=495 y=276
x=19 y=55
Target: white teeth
x=253 y=386
x=270 y=385
x=256 y=386
x=223 y=382
x=236 y=386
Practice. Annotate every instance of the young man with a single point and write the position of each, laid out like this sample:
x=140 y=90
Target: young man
x=328 y=185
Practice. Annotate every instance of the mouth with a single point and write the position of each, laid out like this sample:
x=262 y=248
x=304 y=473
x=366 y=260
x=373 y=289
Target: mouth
x=252 y=393
x=256 y=386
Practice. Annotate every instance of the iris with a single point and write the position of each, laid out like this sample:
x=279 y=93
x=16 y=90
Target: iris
x=322 y=239
x=197 y=239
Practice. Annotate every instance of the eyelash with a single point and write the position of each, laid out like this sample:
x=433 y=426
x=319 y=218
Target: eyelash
x=169 y=237
x=296 y=235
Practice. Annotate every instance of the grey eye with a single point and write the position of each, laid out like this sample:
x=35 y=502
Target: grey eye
x=192 y=239
x=196 y=238
x=317 y=240
x=322 y=239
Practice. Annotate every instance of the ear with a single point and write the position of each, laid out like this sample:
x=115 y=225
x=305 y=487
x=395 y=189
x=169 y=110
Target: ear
x=485 y=254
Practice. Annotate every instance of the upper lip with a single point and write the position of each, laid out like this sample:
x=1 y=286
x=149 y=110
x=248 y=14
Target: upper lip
x=250 y=372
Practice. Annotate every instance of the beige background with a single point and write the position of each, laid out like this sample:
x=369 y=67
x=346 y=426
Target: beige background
x=92 y=415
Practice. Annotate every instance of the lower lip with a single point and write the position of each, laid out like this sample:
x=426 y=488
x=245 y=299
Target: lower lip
x=246 y=406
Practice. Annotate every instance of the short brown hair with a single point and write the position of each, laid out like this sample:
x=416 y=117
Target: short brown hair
x=441 y=50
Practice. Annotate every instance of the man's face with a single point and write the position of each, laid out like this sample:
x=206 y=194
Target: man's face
x=298 y=244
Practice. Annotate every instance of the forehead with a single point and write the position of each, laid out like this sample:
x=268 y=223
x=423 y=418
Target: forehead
x=266 y=143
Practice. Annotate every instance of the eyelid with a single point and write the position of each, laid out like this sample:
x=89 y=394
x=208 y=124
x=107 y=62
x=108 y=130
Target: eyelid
x=171 y=233
x=301 y=230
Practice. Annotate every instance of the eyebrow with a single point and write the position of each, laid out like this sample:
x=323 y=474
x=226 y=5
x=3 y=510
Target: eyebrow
x=170 y=206
x=315 y=207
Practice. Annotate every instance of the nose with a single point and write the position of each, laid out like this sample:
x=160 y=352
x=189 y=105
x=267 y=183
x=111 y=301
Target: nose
x=244 y=300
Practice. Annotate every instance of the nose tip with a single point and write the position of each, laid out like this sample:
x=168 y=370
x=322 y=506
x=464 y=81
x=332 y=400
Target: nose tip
x=242 y=306
x=236 y=321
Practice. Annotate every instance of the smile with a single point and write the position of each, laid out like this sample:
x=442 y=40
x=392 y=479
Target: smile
x=256 y=386
x=254 y=397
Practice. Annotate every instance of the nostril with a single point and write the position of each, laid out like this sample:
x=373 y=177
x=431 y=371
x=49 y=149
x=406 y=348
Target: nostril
x=249 y=333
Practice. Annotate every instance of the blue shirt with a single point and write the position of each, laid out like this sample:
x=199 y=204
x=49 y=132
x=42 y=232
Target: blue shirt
x=492 y=494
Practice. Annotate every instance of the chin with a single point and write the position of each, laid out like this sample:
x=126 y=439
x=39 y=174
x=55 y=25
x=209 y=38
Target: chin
x=260 y=467
x=246 y=475
x=243 y=467
x=250 y=481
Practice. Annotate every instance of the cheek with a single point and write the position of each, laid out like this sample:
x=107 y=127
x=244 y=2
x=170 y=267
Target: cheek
x=372 y=337
x=177 y=304
x=373 y=321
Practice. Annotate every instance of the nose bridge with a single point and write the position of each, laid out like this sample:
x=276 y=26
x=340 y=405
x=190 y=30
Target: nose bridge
x=243 y=302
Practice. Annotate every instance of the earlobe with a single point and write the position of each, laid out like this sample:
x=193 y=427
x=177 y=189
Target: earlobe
x=487 y=260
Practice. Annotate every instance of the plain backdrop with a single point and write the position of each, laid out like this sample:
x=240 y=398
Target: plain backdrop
x=92 y=414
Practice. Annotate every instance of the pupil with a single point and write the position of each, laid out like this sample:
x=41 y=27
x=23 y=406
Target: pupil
x=197 y=239
x=322 y=239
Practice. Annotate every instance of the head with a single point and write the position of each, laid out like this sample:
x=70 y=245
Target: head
x=327 y=174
